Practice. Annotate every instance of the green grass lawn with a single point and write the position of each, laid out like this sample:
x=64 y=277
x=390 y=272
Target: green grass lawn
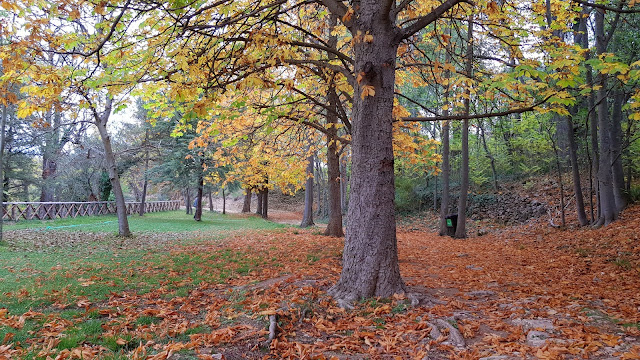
x=169 y=221
x=92 y=264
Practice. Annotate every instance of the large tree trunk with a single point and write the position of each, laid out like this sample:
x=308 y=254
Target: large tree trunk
x=307 y=215
x=246 y=207
x=259 y=203
x=110 y=163
x=343 y=184
x=575 y=171
x=370 y=257
x=461 y=231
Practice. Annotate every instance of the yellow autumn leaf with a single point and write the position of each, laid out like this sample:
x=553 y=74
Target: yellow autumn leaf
x=449 y=67
x=367 y=90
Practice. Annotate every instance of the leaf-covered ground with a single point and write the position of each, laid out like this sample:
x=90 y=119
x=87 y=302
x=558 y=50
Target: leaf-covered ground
x=522 y=292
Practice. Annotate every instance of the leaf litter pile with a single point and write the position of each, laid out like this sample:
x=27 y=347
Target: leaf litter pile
x=527 y=292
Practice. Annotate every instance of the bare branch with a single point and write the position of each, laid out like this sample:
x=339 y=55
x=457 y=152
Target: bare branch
x=478 y=116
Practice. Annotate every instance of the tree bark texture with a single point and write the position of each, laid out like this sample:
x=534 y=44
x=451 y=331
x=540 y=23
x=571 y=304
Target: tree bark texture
x=334 y=227
x=605 y=177
x=259 y=203
x=619 y=193
x=307 y=215
x=446 y=167
x=114 y=178
x=265 y=203
x=3 y=123
x=198 y=213
x=575 y=172
x=143 y=198
x=370 y=257
x=490 y=156
x=187 y=201
x=461 y=231
x=344 y=180
x=224 y=202
x=246 y=207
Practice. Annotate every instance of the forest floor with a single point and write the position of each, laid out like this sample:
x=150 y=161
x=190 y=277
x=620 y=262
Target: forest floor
x=521 y=292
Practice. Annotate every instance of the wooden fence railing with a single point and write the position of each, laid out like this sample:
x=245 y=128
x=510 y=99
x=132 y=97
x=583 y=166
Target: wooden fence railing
x=54 y=210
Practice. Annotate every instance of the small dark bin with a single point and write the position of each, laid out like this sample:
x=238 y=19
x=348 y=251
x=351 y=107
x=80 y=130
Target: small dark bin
x=452 y=223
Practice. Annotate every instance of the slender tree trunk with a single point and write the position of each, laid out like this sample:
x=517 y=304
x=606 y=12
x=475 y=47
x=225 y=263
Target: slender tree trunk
x=307 y=216
x=490 y=156
x=246 y=207
x=198 y=213
x=446 y=171
x=461 y=231
x=616 y=152
x=3 y=124
x=187 y=200
x=224 y=202
x=320 y=190
x=110 y=163
x=435 y=193
x=629 y=157
x=49 y=161
x=334 y=227
x=605 y=177
x=595 y=147
x=575 y=172
x=370 y=256
x=265 y=203
x=592 y=120
x=211 y=201
x=143 y=198
x=446 y=152
x=559 y=169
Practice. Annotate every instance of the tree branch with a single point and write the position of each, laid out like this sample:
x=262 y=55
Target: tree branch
x=337 y=8
x=478 y=116
x=324 y=48
x=608 y=8
x=421 y=22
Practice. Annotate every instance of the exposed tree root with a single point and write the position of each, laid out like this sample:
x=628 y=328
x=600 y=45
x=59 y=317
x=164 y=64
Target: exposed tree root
x=455 y=338
x=273 y=327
